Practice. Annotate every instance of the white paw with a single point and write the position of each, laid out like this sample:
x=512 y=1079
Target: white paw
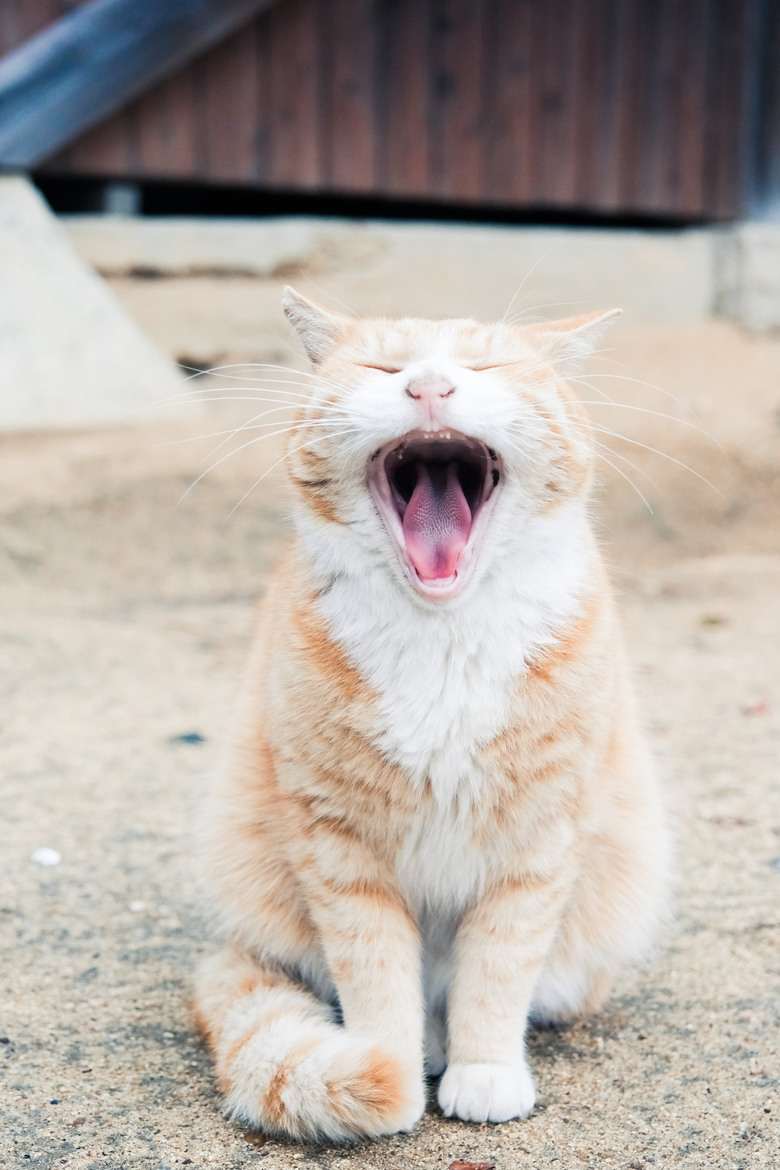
x=412 y=1112
x=416 y=1097
x=487 y=1092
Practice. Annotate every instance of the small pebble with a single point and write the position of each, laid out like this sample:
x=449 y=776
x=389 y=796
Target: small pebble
x=46 y=856
x=137 y=907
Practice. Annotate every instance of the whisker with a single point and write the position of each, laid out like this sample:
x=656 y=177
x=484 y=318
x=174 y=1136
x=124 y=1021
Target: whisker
x=250 y=425
x=627 y=478
x=634 y=466
x=279 y=388
x=328 y=294
x=655 y=451
x=640 y=382
x=216 y=371
x=257 y=439
x=549 y=305
x=285 y=456
x=683 y=422
x=527 y=276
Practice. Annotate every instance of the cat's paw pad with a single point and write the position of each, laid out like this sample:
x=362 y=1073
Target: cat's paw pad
x=487 y=1092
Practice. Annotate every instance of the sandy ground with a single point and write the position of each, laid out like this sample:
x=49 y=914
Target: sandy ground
x=124 y=622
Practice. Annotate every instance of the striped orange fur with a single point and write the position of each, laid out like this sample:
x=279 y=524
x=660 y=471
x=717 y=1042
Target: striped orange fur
x=437 y=818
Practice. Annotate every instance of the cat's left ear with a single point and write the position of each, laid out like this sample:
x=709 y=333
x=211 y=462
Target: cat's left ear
x=566 y=343
x=319 y=330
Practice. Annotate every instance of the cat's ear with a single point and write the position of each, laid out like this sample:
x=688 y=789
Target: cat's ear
x=319 y=330
x=566 y=343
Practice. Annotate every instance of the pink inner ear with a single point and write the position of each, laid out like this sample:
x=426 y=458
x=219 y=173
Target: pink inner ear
x=437 y=521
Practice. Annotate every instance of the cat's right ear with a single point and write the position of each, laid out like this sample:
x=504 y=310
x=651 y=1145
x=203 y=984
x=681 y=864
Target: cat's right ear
x=319 y=330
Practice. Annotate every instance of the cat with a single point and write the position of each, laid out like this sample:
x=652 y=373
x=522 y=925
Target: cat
x=438 y=818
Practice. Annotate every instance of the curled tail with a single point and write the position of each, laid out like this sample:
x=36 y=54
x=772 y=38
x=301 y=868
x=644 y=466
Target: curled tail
x=286 y=1067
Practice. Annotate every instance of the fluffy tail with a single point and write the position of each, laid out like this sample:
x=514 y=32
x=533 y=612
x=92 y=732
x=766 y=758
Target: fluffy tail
x=285 y=1067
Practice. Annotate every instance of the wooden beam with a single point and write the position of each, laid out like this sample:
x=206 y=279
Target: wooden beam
x=101 y=56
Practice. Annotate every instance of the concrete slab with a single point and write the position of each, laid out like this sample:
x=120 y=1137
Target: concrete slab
x=748 y=275
x=484 y=271
x=69 y=354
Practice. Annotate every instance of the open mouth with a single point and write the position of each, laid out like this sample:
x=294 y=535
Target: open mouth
x=434 y=492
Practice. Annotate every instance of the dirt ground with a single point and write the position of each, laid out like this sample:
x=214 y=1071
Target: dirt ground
x=124 y=621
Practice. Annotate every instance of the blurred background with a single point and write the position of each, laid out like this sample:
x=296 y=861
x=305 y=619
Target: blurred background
x=166 y=166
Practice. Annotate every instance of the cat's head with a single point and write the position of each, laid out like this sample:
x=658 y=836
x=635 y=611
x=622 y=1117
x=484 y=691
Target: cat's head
x=426 y=446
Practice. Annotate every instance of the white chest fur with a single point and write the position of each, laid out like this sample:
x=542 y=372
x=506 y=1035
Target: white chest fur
x=445 y=674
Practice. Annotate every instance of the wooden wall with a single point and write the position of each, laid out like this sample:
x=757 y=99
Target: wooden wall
x=609 y=106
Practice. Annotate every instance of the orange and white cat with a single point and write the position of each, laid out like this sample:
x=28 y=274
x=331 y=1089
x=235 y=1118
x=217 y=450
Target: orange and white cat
x=438 y=818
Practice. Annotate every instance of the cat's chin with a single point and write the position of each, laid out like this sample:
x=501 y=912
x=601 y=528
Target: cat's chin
x=435 y=491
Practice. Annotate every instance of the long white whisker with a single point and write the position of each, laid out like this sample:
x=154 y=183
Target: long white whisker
x=285 y=456
x=634 y=466
x=549 y=305
x=229 y=455
x=639 y=382
x=627 y=478
x=663 y=454
x=527 y=276
x=683 y=422
x=327 y=293
x=216 y=371
x=280 y=390
x=251 y=425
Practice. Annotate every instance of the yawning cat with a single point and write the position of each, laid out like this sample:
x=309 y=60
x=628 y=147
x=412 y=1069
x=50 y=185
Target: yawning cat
x=438 y=817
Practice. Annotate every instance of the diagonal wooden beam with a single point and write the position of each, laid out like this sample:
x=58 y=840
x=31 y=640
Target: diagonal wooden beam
x=77 y=72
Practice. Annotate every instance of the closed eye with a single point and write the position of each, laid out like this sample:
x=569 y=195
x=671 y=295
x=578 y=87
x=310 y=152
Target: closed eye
x=384 y=369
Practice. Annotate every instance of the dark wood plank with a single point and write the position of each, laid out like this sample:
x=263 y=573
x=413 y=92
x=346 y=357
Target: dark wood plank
x=76 y=73
x=350 y=124
x=262 y=115
x=685 y=49
x=638 y=131
x=615 y=148
x=403 y=154
x=168 y=120
x=227 y=82
x=728 y=130
x=106 y=151
x=553 y=166
x=596 y=103
x=509 y=131
x=296 y=96
x=457 y=98
x=648 y=107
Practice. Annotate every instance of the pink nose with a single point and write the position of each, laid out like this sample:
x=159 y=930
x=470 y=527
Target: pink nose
x=429 y=387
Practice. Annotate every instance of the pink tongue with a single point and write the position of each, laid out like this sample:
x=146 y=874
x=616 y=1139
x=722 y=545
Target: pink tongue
x=437 y=522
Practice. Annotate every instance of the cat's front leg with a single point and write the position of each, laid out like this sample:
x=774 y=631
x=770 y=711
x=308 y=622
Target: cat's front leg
x=499 y=950
x=372 y=947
